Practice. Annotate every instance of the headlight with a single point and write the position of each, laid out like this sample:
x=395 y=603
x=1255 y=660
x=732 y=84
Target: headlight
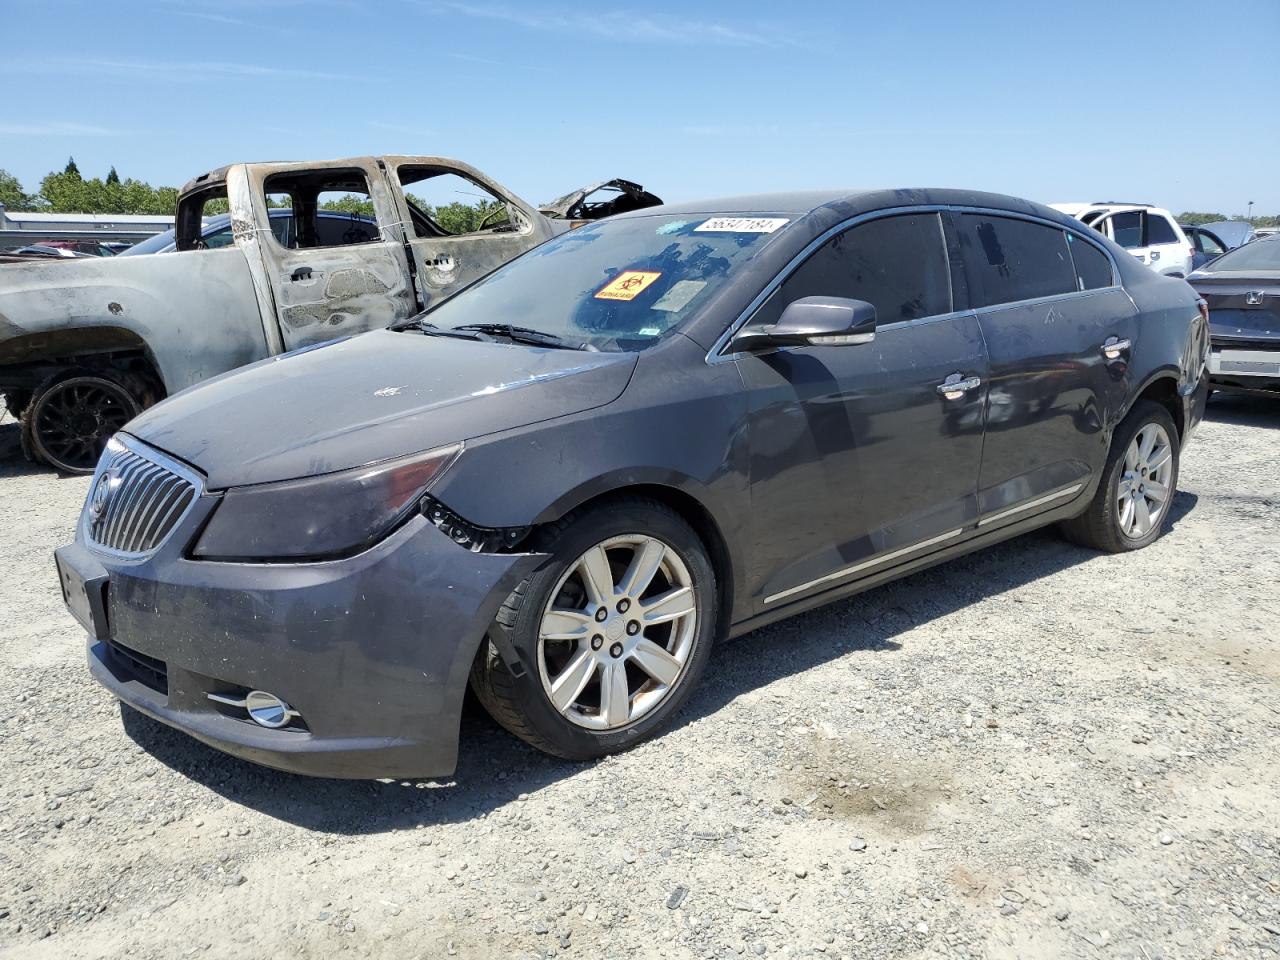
x=320 y=517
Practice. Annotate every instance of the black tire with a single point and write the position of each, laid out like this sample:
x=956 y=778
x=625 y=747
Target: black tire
x=17 y=401
x=520 y=704
x=1099 y=527
x=71 y=417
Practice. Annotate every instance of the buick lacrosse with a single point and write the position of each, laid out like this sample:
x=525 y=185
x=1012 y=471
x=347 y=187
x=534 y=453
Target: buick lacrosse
x=648 y=435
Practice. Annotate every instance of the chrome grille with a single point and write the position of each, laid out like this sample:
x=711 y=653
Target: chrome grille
x=143 y=501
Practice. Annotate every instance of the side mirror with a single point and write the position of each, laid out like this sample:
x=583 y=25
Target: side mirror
x=817 y=321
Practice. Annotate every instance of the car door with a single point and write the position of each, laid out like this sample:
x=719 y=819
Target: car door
x=1167 y=251
x=860 y=456
x=336 y=277
x=1058 y=330
x=459 y=223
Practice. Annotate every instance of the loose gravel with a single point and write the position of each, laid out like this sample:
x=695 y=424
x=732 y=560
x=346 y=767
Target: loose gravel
x=1035 y=751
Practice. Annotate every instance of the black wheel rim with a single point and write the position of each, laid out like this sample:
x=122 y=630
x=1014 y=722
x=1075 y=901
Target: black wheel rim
x=75 y=420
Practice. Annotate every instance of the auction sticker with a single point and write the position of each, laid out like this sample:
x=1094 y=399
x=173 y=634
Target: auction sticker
x=627 y=285
x=742 y=224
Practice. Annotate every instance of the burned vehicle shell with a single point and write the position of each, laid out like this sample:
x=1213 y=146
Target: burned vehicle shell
x=87 y=344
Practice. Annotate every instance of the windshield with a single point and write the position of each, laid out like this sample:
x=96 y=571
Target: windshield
x=614 y=284
x=1258 y=255
x=150 y=245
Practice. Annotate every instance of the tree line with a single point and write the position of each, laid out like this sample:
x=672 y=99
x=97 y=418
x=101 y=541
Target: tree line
x=68 y=192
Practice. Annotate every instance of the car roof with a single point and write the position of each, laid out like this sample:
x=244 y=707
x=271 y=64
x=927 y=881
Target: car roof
x=802 y=203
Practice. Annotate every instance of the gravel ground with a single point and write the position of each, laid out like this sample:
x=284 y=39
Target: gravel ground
x=1035 y=751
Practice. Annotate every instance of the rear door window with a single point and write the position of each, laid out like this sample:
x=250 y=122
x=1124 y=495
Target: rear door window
x=1126 y=229
x=1160 y=230
x=897 y=264
x=1011 y=260
x=1093 y=268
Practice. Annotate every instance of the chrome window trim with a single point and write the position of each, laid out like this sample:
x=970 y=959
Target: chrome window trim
x=147 y=452
x=717 y=352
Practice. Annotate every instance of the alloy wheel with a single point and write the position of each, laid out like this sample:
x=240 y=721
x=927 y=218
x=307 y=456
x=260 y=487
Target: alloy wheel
x=618 y=632
x=1143 y=493
x=73 y=420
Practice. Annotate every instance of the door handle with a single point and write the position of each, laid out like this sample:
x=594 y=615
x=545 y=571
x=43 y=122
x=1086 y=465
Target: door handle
x=302 y=273
x=957 y=385
x=1155 y=255
x=1114 y=347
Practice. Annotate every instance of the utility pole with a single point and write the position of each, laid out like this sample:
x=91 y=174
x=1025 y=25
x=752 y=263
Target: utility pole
x=1249 y=215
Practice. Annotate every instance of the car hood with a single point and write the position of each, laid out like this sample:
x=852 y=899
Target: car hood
x=370 y=398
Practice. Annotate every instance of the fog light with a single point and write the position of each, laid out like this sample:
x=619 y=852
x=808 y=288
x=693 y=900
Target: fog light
x=267 y=710
x=264 y=709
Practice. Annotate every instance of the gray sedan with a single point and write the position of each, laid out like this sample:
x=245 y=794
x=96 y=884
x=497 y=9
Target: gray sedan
x=641 y=438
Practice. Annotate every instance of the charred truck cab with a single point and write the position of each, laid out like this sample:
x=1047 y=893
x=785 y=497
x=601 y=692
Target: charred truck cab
x=86 y=345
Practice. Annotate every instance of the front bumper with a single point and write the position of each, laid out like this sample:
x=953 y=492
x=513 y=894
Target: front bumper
x=373 y=651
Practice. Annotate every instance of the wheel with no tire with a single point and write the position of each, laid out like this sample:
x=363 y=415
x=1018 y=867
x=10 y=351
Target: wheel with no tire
x=1137 y=487
x=70 y=419
x=618 y=627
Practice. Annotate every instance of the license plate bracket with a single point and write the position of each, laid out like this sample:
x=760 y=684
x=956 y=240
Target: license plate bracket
x=84 y=585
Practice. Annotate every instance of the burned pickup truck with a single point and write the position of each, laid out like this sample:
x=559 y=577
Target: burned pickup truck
x=306 y=252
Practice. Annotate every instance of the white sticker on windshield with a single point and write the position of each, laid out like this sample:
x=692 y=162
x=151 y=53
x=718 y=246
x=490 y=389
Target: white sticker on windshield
x=678 y=297
x=742 y=224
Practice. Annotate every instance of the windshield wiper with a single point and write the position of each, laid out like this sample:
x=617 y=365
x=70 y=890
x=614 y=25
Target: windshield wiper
x=538 y=338
x=431 y=330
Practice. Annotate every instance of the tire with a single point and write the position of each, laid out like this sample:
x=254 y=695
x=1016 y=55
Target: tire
x=71 y=417
x=17 y=401
x=591 y=721
x=1107 y=524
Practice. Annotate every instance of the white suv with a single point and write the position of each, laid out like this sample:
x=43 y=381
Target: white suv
x=1149 y=233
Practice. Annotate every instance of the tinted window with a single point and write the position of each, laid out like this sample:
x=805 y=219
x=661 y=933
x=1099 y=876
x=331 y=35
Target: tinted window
x=1159 y=230
x=1258 y=255
x=1011 y=260
x=1093 y=269
x=898 y=265
x=1126 y=228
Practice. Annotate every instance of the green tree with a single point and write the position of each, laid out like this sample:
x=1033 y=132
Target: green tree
x=1192 y=219
x=112 y=177
x=71 y=169
x=13 y=196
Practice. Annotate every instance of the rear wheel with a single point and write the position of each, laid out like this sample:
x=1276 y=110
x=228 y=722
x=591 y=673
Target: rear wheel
x=71 y=418
x=1138 y=484
x=618 y=626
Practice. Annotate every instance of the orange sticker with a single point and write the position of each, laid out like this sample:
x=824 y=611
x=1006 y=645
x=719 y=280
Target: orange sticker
x=627 y=285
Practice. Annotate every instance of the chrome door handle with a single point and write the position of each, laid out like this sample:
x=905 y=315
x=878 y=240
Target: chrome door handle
x=956 y=386
x=1114 y=347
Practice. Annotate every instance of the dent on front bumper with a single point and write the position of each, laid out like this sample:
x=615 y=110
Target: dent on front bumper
x=373 y=651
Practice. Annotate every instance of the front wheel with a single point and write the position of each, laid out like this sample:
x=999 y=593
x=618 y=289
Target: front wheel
x=618 y=627
x=1138 y=484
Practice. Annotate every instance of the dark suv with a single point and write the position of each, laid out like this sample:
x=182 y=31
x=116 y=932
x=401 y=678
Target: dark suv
x=639 y=438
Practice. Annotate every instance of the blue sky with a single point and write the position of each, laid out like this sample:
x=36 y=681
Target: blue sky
x=1168 y=102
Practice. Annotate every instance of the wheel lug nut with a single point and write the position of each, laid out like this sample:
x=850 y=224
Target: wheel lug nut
x=633 y=628
x=616 y=650
x=597 y=642
x=624 y=606
x=601 y=615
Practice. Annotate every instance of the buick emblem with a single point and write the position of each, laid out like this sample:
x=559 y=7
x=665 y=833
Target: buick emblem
x=1254 y=298
x=101 y=495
